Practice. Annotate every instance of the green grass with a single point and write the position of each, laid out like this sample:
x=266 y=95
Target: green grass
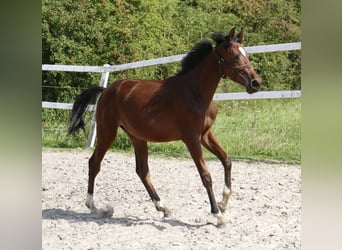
x=266 y=130
x=260 y=129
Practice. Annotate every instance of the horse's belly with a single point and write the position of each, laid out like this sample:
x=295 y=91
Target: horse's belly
x=153 y=131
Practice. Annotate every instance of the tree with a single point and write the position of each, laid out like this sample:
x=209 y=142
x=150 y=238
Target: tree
x=84 y=32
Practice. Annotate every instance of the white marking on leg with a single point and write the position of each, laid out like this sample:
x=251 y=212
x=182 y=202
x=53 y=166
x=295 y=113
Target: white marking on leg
x=90 y=203
x=243 y=51
x=225 y=197
x=218 y=215
x=158 y=204
x=103 y=212
x=226 y=193
x=160 y=207
x=226 y=189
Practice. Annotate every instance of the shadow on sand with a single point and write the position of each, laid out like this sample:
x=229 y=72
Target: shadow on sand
x=60 y=214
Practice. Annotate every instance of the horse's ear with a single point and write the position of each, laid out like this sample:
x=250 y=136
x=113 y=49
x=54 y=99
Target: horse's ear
x=231 y=34
x=240 y=36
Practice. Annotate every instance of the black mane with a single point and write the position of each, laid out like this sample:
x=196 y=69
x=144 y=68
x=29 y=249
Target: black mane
x=195 y=56
x=200 y=51
x=218 y=37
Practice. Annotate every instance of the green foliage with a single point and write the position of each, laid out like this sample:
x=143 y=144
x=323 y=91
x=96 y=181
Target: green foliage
x=84 y=32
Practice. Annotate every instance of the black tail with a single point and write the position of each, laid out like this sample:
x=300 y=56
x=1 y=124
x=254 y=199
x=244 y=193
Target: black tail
x=80 y=106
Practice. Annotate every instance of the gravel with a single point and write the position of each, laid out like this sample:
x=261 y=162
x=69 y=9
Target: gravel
x=264 y=210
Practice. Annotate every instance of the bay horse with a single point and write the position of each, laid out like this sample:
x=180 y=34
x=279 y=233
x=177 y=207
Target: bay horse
x=180 y=107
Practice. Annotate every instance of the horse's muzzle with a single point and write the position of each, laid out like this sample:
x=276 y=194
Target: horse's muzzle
x=253 y=86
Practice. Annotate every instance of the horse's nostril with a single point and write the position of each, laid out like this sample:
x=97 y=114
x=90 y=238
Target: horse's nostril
x=255 y=84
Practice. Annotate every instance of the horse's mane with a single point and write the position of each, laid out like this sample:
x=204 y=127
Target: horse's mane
x=195 y=56
x=199 y=52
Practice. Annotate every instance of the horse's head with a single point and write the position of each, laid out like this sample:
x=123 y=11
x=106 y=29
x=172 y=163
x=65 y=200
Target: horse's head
x=234 y=60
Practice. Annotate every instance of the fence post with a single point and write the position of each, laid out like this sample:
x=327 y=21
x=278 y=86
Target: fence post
x=92 y=133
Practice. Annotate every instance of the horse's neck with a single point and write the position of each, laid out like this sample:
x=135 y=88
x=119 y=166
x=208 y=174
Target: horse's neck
x=207 y=76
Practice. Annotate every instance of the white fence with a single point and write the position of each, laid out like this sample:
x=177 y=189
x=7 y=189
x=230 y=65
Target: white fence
x=217 y=97
x=106 y=69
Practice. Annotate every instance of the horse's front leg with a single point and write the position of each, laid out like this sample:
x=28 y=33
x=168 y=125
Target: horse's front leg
x=195 y=150
x=209 y=142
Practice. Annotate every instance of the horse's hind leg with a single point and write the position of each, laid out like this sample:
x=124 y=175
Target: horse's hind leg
x=142 y=169
x=104 y=141
x=209 y=142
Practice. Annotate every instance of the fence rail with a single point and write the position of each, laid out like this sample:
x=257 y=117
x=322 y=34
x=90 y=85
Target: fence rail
x=258 y=95
x=217 y=97
x=162 y=60
x=106 y=69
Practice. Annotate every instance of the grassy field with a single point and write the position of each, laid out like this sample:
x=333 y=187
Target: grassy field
x=266 y=130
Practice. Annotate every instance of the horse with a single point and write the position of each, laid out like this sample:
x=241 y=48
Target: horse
x=180 y=107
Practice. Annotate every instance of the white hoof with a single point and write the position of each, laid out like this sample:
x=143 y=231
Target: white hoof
x=221 y=221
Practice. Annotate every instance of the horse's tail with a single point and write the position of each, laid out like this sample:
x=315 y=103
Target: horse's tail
x=80 y=105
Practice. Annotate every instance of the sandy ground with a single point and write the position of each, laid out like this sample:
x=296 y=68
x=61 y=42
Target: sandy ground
x=264 y=211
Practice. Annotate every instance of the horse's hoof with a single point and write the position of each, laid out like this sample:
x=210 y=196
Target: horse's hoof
x=220 y=220
x=167 y=212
